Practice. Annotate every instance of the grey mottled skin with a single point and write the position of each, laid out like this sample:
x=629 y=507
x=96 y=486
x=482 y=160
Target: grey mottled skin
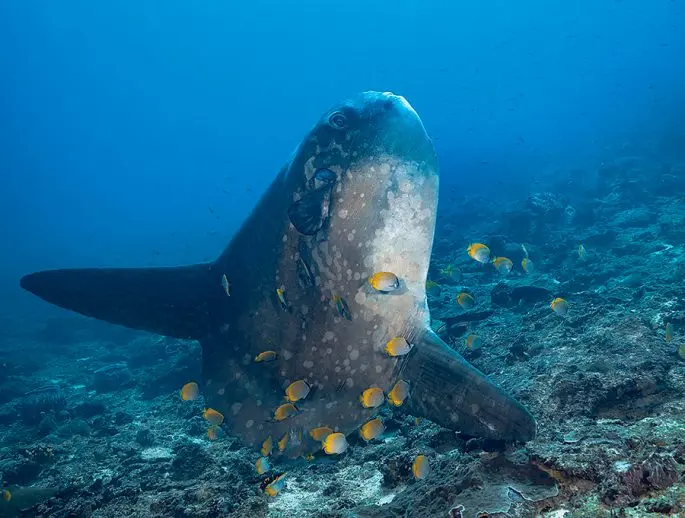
x=376 y=213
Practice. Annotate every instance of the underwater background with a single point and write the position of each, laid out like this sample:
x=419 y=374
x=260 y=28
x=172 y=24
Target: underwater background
x=143 y=133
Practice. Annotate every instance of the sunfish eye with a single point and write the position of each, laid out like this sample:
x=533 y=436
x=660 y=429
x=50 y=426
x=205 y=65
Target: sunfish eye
x=337 y=120
x=325 y=176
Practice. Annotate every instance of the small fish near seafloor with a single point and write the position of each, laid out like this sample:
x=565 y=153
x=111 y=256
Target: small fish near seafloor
x=305 y=214
x=479 y=252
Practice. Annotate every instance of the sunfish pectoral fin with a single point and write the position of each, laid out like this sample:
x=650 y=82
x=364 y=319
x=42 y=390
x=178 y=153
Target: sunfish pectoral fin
x=446 y=389
x=170 y=301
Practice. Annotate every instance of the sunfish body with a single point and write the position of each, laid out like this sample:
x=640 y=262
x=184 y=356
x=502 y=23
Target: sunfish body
x=359 y=196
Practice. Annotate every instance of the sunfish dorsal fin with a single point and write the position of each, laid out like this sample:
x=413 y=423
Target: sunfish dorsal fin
x=172 y=301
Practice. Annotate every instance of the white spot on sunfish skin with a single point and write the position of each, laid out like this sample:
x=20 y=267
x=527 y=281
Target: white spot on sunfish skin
x=328 y=336
x=287 y=354
x=308 y=364
x=342 y=213
x=354 y=355
x=379 y=369
x=235 y=408
x=249 y=423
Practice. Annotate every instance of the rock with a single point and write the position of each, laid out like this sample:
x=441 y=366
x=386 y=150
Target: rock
x=8 y=415
x=190 y=461
x=89 y=409
x=112 y=377
x=19 y=471
x=40 y=401
x=506 y=295
x=547 y=205
x=144 y=437
x=75 y=427
x=47 y=425
x=122 y=418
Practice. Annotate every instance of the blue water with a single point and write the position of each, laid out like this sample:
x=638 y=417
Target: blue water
x=123 y=122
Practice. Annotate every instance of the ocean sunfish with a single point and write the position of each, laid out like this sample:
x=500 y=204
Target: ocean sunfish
x=326 y=271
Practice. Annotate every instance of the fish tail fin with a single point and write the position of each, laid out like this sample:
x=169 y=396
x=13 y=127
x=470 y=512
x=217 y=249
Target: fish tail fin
x=172 y=301
x=446 y=389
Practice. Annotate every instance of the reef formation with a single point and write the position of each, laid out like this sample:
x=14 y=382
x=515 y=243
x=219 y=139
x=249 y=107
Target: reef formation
x=97 y=428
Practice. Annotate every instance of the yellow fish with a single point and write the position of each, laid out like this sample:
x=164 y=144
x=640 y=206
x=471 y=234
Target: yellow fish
x=582 y=254
x=372 y=429
x=465 y=300
x=284 y=411
x=267 y=447
x=372 y=397
x=399 y=393
x=335 y=444
x=283 y=442
x=559 y=306
x=213 y=432
x=681 y=351
x=420 y=468
x=297 y=390
x=527 y=265
x=275 y=486
x=398 y=346
x=384 y=281
x=474 y=342
x=479 y=252
x=320 y=433
x=266 y=356
x=226 y=285
x=262 y=465
x=6 y=495
x=280 y=293
x=451 y=272
x=433 y=288
x=213 y=416
x=190 y=391
x=669 y=332
x=503 y=264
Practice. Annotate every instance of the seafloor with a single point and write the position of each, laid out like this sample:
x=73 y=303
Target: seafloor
x=91 y=423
